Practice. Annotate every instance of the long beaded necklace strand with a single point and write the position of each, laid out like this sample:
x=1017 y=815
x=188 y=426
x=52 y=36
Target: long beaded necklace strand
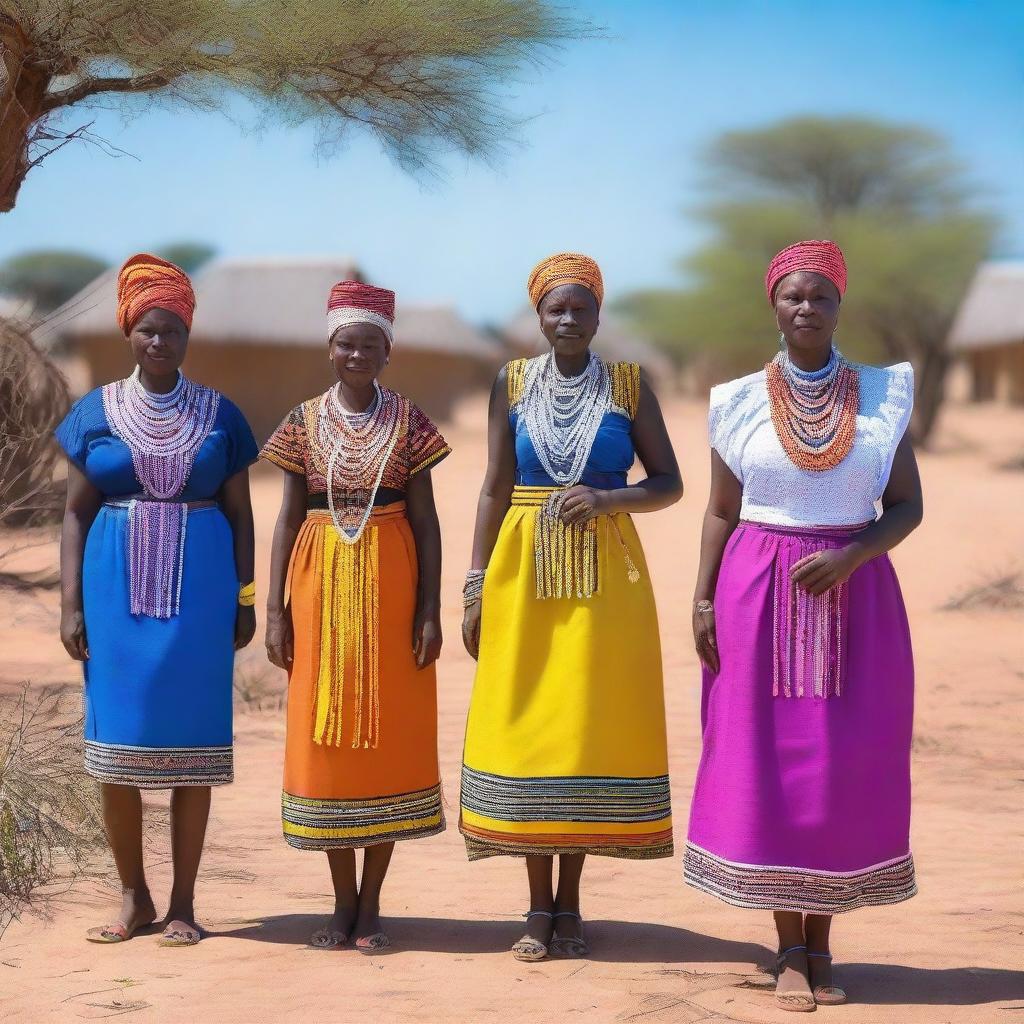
x=163 y=434
x=815 y=416
x=359 y=447
x=562 y=416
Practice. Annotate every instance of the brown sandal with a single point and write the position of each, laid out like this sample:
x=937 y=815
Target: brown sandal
x=797 y=1002
x=827 y=995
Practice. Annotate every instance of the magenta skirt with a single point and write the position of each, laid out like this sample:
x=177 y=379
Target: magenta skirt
x=802 y=799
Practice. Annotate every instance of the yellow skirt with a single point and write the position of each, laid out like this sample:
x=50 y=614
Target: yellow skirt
x=565 y=744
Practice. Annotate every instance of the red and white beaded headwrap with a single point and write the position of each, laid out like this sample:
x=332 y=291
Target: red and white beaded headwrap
x=352 y=302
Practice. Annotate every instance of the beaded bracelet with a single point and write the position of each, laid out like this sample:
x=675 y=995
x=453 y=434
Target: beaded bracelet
x=247 y=595
x=473 y=589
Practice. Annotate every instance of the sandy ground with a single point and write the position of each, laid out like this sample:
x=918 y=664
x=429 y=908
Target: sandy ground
x=661 y=952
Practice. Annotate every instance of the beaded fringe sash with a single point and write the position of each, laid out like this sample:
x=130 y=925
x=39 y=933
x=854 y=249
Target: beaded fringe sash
x=808 y=630
x=346 y=706
x=566 y=555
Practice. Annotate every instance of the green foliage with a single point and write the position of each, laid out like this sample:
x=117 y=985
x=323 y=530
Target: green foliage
x=190 y=256
x=420 y=75
x=48 y=277
x=890 y=195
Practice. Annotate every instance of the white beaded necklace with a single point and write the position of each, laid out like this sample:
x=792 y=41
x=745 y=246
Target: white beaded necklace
x=360 y=446
x=563 y=414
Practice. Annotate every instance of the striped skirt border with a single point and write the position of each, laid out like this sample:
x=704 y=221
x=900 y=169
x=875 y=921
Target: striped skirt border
x=159 y=767
x=769 y=887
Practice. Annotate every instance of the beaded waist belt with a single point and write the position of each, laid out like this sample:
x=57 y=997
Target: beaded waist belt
x=380 y=514
x=566 y=555
x=156 y=552
x=808 y=630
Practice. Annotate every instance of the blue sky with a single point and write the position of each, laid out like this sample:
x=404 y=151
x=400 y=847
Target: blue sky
x=607 y=162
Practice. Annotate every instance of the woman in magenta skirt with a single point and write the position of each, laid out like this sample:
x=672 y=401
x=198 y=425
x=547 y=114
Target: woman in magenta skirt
x=802 y=799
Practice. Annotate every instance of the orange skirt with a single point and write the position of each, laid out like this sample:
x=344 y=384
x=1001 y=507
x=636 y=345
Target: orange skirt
x=361 y=751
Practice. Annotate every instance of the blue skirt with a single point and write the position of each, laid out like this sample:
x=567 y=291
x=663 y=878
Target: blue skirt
x=158 y=691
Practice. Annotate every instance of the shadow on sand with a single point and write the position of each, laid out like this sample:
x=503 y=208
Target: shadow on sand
x=632 y=942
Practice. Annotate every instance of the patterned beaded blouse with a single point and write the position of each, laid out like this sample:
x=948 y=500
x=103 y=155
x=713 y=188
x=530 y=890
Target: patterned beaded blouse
x=293 y=446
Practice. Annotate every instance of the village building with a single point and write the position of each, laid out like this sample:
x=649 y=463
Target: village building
x=988 y=333
x=259 y=336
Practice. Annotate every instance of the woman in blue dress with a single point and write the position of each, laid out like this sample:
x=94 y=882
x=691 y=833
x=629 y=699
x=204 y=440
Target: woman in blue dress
x=157 y=538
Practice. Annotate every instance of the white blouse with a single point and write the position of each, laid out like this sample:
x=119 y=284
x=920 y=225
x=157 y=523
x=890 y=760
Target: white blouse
x=776 y=491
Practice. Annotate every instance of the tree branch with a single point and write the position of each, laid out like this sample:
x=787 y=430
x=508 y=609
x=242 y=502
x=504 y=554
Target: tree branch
x=87 y=87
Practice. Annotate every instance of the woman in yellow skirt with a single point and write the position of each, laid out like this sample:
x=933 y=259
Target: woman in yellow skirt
x=565 y=749
x=353 y=615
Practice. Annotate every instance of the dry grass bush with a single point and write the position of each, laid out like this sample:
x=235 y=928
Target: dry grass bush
x=1001 y=593
x=33 y=400
x=257 y=684
x=49 y=809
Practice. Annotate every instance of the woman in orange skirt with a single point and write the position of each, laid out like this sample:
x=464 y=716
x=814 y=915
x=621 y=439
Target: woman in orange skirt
x=354 y=616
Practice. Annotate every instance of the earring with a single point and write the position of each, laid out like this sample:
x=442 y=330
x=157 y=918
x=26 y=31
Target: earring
x=782 y=341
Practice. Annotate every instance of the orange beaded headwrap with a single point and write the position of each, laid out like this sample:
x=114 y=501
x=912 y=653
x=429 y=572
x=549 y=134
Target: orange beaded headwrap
x=565 y=268
x=820 y=256
x=146 y=282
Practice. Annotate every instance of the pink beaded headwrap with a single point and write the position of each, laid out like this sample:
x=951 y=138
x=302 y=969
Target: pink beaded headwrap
x=352 y=302
x=819 y=256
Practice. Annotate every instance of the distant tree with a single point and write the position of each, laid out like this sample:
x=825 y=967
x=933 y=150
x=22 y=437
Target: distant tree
x=190 y=256
x=890 y=195
x=417 y=74
x=48 y=277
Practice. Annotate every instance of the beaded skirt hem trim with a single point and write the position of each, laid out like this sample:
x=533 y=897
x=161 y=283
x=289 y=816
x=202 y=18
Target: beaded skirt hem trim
x=774 y=887
x=159 y=767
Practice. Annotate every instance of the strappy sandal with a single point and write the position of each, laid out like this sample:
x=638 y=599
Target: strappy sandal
x=109 y=934
x=327 y=938
x=569 y=945
x=179 y=933
x=371 y=945
x=798 y=1002
x=827 y=995
x=529 y=949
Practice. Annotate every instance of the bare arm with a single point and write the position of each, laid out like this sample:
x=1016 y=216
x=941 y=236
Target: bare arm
x=902 y=511
x=280 y=649
x=426 y=531
x=81 y=506
x=495 y=497
x=236 y=502
x=720 y=519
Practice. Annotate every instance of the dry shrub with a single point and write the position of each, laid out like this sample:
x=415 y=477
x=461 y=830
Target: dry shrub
x=33 y=400
x=257 y=684
x=1002 y=593
x=49 y=809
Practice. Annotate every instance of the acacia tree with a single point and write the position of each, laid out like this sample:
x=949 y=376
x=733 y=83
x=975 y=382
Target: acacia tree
x=417 y=74
x=890 y=195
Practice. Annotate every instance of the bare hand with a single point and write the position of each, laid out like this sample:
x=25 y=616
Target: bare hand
x=245 y=626
x=824 y=570
x=72 y=634
x=471 y=629
x=426 y=638
x=279 y=640
x=581 y=504
x=705 y=638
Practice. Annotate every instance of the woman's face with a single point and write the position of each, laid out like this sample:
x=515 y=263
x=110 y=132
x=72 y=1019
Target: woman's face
x=159 y=341
x=569 y=318
x=359 y=353
x=807 y=310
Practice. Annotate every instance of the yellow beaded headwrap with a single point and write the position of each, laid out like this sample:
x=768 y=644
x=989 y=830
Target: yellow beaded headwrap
x=565 y=268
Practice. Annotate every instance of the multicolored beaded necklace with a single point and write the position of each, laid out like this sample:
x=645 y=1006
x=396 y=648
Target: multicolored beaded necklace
x=814 y=414
x=163 y=434
x=357 y=447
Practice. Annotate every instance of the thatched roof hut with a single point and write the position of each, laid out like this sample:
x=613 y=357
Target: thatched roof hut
x=988 y=332
x=259 y=336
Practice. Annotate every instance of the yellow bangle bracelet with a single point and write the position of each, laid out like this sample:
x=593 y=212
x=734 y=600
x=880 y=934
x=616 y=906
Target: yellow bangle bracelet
x=247 y=594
